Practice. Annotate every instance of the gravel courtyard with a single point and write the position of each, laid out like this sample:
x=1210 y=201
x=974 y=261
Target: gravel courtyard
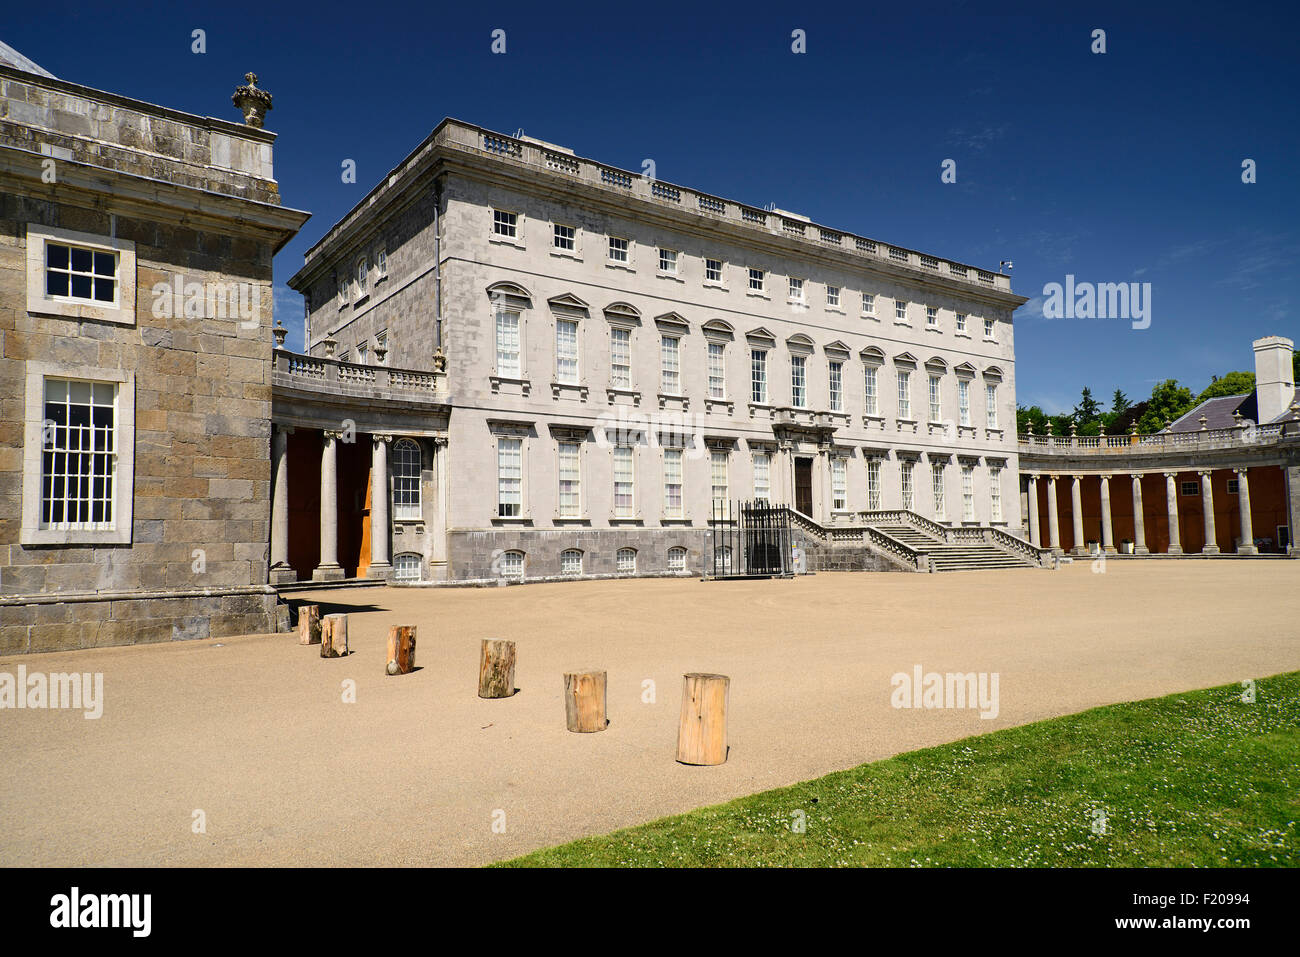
x=254 y=733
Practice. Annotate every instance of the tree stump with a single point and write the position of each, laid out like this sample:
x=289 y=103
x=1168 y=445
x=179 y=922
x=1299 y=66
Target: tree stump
x=334 y=636
x=584 y=701
x=702 y=733
x=309 y=625
x=401 y=649
x=496 y=668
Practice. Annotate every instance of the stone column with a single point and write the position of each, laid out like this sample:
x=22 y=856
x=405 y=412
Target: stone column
x=1247 y=546
x=1076 y=506
x=1139 y=521
x=1053 y=519
x=380 y=526
x=329 y=568
x=1211 y=546
x=1035 y=533
x=281 y=572
x=1171 y=502
x=442 y=502
x=1107 y=529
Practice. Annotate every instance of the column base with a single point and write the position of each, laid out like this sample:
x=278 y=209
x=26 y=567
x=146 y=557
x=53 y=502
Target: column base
x=1080 y=551
x=1141 y=550
x=1247 y=550
x=283 y=575
x=1174 y=550
x=1110 y=549
x=328 y=573
x=1210 y=550
x=381 y=570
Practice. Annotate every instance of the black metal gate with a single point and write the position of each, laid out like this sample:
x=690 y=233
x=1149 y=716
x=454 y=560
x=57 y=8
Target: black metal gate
x=750 y=540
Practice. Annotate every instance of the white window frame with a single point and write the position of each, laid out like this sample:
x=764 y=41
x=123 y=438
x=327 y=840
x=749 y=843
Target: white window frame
x=566 y=560
x=505 y=225
x=873 y=484
x=871 y=390
x=963 y=402
x=564 y=239
x=619 y=255
x=625 y=561
x=758 y=392
x=931 y=317
x=674 y=484
x=936 y=398
x=512 y=564
x=719 y=481
x=407 y=566
x=757 y=281
x=623 y=479
x=407 y=501
x=868 y=304
x=990 y=327
x=905 y=393
x=835 y=384
x=968 y=493
x=937 y=490
x=668 y=261
x=712 y=275
x=995 y=493
x=361 y=276
x=907 y=488
x=677 y=559
x=832 y=297
x=122 y=311
x=381 y=264
x=991 y=404
x=568 y=479
x=763 y=477
x=796 y=290
x=961 y=322
x=717 y=370
x=670 y=364
x=799 y=381
x=506 y=367
x=900 y=311
x=510 y=459
x=839 y=484
x=568 y=352
x=31 y=531
x=620 y=361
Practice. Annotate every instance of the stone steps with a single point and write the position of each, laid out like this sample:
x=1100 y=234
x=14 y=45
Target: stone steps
x=945 y=557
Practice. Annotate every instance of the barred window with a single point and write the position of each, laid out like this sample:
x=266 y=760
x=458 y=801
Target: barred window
x=79 y=455
x=76 y=272
x=510 y=477
x=406 y=479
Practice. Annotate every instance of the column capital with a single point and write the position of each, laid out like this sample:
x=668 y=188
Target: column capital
x=381 y=437
x=1033 y=476
x=1171 y=475
x=1240 y=469
x=330 y=435
x=440 y=441
x=1104 y=478
x=1077 y=478
x=283 y=429
x=1204 y=472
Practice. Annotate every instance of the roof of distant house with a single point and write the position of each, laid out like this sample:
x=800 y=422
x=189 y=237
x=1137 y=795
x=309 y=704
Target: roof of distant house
x=1219 y=411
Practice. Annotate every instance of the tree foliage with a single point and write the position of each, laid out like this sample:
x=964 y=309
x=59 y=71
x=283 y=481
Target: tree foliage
x=1168 y=401
x=1233 y=383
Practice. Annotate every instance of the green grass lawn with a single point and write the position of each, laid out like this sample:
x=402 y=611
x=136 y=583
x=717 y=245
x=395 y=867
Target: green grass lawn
x=1199 y=779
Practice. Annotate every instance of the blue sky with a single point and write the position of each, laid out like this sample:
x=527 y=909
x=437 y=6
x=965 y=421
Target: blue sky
x=1118 y=167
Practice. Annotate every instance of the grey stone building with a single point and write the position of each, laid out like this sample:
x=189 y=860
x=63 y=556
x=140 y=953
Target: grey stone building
x=135 y=366
x=584 y=365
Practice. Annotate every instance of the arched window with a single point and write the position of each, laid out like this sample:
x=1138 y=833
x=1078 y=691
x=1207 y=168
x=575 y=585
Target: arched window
x=512 y=565
x=406 y=479
x=406 y=567
x=626 y=561
x=571 y=562
x=677 y=559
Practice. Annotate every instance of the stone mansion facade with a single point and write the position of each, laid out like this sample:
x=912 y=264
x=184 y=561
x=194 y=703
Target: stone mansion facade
x=583 y=364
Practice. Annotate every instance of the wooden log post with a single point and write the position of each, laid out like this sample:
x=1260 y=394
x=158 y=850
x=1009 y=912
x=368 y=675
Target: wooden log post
x=334 y=636
x=496 y=668
x=702 y=733
x=309 y=625
x=584 y=701
x=401 y=649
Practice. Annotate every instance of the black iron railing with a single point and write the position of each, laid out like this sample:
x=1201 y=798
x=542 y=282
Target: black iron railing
x=751 y=539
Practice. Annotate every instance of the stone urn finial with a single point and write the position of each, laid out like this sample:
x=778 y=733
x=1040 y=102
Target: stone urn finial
x=251 y=101
x=380 y=353
x=439 y=360
x=1202 y=421
x=1074 y=429
x=1295 y=409
x=1049 y=427
x=1029 y=428
x=279 y=332
x=329 y=342
x=1134 y=429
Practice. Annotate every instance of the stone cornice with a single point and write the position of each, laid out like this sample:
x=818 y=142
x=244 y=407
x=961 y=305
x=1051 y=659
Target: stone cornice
x=463 y=148
x=80 y=184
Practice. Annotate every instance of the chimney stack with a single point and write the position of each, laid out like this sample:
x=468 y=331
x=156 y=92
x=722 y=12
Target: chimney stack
x=1274 y=379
